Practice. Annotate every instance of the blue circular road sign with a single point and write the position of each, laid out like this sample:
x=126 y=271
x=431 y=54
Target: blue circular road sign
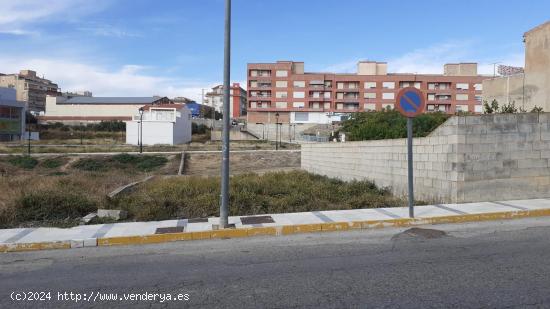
x=410 y=102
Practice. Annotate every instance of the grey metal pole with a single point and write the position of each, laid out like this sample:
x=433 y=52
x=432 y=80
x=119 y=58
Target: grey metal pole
x=224 y=198
x=141 y=133
x=410 y=165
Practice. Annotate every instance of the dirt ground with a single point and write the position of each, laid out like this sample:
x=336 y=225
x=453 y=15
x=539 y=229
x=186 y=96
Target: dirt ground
x=209 y=164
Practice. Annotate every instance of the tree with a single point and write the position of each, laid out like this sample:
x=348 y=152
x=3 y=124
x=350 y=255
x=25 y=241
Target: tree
x=509 y=108
x=536 y=109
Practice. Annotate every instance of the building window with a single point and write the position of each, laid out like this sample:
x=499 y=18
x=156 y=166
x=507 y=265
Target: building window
x=431 y=96
x=370 y=107
x=340 y=106
x=340 y=85
x=478 y=108
x=462 y=86
x=462 y=97
x=388 y=85
x=281 y=94
x=370 y=95
x=327 y=105
x=353 y=85
x=253 y=73
x=478 y=87
x=281 y=104
x=388 y=95
x=339 y=95
x=299 y=83
x=298 y=104
x=478 y=98
x=253 y=105
x=461 y=108
x=370 y=85
x=281 y=84
x=301 y=117
x=315 y=105
x=281 y=73
x=298 y=94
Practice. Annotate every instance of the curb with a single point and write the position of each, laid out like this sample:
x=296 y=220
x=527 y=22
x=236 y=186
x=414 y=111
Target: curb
x=268 y=231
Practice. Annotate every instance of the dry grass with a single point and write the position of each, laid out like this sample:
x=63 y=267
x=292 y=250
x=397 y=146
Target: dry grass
x=273 y=192
x=60 y=188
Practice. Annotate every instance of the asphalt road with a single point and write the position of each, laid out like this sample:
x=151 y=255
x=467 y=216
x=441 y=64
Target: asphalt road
x=501 y=264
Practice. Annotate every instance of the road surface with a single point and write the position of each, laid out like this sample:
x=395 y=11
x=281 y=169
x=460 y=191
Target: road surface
x=500 y=264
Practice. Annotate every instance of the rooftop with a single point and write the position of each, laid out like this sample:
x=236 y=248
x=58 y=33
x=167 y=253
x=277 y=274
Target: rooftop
x=111 y=100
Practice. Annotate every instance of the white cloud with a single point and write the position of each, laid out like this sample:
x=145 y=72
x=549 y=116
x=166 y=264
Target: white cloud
x=107 y=30
x=16 y=15
x=342 y=67
x=430 y=60
x=128 y=80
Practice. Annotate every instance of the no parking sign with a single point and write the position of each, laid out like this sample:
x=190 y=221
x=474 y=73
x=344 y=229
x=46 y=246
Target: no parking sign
x=410 y=103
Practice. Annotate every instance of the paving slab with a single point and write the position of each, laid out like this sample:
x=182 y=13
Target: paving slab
x=21 y=239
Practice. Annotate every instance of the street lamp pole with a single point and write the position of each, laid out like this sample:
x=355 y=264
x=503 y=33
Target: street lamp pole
x=141 y=130
x=277 y=131
x=224 y=198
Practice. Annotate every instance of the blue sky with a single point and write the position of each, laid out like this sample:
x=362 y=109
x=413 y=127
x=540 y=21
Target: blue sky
x=175 y=47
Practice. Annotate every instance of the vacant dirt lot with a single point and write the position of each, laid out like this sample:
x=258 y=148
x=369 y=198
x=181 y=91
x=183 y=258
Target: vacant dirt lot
x=208 y=164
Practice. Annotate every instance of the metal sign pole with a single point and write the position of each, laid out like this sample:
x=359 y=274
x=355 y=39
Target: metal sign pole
x=410 y=165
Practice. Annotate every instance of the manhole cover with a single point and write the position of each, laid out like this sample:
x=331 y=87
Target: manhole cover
x=198 y=220
x=416 y=232
x=166 y=230
x=257 y=220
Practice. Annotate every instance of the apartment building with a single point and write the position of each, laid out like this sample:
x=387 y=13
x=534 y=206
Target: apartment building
x=531 y=87
x=12 y=116
x=283 y=92
x=238 y=97
x=30 y=89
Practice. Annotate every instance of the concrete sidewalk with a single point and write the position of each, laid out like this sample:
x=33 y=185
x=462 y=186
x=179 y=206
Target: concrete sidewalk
x=26 y=239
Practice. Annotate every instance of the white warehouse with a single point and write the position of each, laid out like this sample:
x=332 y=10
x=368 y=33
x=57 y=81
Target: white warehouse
x=166 y=124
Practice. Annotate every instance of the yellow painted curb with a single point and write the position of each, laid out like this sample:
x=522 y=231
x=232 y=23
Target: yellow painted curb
x=35 y=246
x=280 y=230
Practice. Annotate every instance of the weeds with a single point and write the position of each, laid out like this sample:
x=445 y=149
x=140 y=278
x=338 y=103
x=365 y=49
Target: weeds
x=25 y=162
x=250 y=194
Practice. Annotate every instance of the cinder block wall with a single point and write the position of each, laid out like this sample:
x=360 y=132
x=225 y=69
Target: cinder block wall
x=468 y=158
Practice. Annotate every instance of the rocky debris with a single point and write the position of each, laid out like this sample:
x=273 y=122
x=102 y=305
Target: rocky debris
x=115 y=214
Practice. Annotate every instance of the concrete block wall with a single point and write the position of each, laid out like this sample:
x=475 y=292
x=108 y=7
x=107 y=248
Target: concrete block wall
x=468 y=158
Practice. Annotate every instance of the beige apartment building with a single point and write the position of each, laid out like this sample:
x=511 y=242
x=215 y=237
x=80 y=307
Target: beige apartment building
x=30 y=89
x=532 y=87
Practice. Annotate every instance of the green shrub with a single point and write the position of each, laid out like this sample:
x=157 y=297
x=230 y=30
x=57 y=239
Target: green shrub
x=199 y=128
x=141 y=162
x=25 y=162
x=52 y=162
x=388 y=125
x=52 y=205
x=125 y=158
x=90 y=164
x=149 y=163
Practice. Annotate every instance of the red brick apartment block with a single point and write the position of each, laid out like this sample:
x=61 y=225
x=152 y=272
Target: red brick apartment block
x=284 y=88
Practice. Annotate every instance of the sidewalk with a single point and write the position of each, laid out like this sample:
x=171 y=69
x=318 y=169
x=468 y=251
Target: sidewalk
x=27 y=239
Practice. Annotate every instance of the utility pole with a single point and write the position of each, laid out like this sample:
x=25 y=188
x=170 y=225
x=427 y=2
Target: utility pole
x=224 y=198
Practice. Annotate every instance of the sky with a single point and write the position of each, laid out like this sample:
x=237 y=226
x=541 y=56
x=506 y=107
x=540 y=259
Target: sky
x=175 y=47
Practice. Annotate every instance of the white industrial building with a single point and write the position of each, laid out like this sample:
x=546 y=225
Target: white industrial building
x=166 y=124
x=74 y=108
